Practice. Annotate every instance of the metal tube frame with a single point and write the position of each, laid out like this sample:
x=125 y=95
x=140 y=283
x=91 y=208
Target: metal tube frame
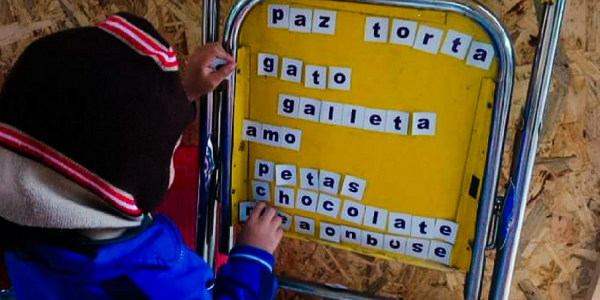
x=522 y=165
x=206 y=205
x=503 y=93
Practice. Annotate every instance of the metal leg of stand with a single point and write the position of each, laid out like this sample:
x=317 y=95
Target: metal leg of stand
x=517 y=194
x=206 y=205
x=323 y=290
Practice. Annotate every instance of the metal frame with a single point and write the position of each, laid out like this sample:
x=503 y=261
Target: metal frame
x=526 y=143
x=513 y=210
x=206 y=210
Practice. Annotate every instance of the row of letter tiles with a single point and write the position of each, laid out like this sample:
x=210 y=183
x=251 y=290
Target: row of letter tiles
x=356 y=213
x=429 y=39
x=310 y=179
x=275 y=136
x=301 y=19
x=415 y=247
x=377 y=29
x=354 y=116
x=315 y=76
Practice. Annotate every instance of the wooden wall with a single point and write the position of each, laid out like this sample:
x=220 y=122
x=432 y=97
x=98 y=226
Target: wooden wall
x=560 y=246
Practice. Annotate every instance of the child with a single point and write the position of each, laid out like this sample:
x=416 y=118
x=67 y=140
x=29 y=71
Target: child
x=89 y=121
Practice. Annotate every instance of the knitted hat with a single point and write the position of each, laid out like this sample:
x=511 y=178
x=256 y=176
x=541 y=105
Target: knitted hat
x=104 y=106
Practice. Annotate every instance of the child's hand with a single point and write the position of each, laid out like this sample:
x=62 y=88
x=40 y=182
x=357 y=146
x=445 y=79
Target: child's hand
x=200 y=76
x=262 y=229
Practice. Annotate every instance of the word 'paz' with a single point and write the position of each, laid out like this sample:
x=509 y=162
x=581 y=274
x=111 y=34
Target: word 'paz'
x=301 y=19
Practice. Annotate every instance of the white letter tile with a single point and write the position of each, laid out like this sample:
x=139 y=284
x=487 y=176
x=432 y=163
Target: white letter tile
x=271 y=135
x=251 y=131
x=328 y=206
x=309 y=179
x=353 y=116
x=353 y=212
x=304 y=225
x=324 y=21
x=440 y=252
x=307 y=200
x=261 y=191
x=267 y=64
x=400 y=223
x=375 y=119
x=245 y=210
x=288 y=106
x=285 y=175
x=403 y=32
x=375 y=217
x=310 y=109
x=423 y=227
x=286 y=220
x=351 y=235
x=315 y=77
x=372 y=240
x=339 y=78
x=456 y=44
x=291 y=138
x=291 y=70
x=397 y=122
x=284 y=197
x=376 y=29
x=278 y=16
x=394 y=244
x=428 y=39
x=353 y=187
x=331 y=113
x=264 y=170
x=445 y=230
x=300 y=19
x=330 y=232
x=480 y=55
x=417 y=248
x=329 y=182
x=424 y=123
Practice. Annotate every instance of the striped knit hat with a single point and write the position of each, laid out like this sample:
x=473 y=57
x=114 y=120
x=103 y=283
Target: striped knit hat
x=103 y=106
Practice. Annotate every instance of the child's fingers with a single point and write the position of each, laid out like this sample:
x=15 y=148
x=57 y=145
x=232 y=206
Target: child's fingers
x=220 y=52
x=279 y=234
x=268 y=214
x=214 y=78
x=276 y=221
x=225 y=70
x=256 y=212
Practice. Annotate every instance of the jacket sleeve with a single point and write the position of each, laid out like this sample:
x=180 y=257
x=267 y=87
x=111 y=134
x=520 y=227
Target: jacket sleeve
x=248 y=275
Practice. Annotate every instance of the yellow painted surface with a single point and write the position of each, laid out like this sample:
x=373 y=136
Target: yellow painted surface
x=425 y=176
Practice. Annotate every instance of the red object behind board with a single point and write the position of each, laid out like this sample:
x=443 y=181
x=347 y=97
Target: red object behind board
x=180 y=202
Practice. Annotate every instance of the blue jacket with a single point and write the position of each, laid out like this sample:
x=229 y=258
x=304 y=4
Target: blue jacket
x=153 y=265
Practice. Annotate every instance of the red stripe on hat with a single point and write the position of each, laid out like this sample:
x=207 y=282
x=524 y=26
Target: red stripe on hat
x=20 y=142
x=133 y=43
x=156 y=45
x=141 y=42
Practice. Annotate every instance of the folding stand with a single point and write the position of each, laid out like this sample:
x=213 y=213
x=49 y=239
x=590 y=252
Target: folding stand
x=441 y=72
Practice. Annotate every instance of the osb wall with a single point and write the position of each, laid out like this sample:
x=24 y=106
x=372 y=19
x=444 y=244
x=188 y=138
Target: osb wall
x=560 y=245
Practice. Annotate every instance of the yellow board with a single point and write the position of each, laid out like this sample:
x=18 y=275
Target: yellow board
x=431 y=176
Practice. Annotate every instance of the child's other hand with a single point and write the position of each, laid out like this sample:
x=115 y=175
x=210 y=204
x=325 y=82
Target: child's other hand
x=262 y=229
x=200 y=77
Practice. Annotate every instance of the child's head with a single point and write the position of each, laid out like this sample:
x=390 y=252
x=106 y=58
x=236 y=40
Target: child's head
x=102 y=106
